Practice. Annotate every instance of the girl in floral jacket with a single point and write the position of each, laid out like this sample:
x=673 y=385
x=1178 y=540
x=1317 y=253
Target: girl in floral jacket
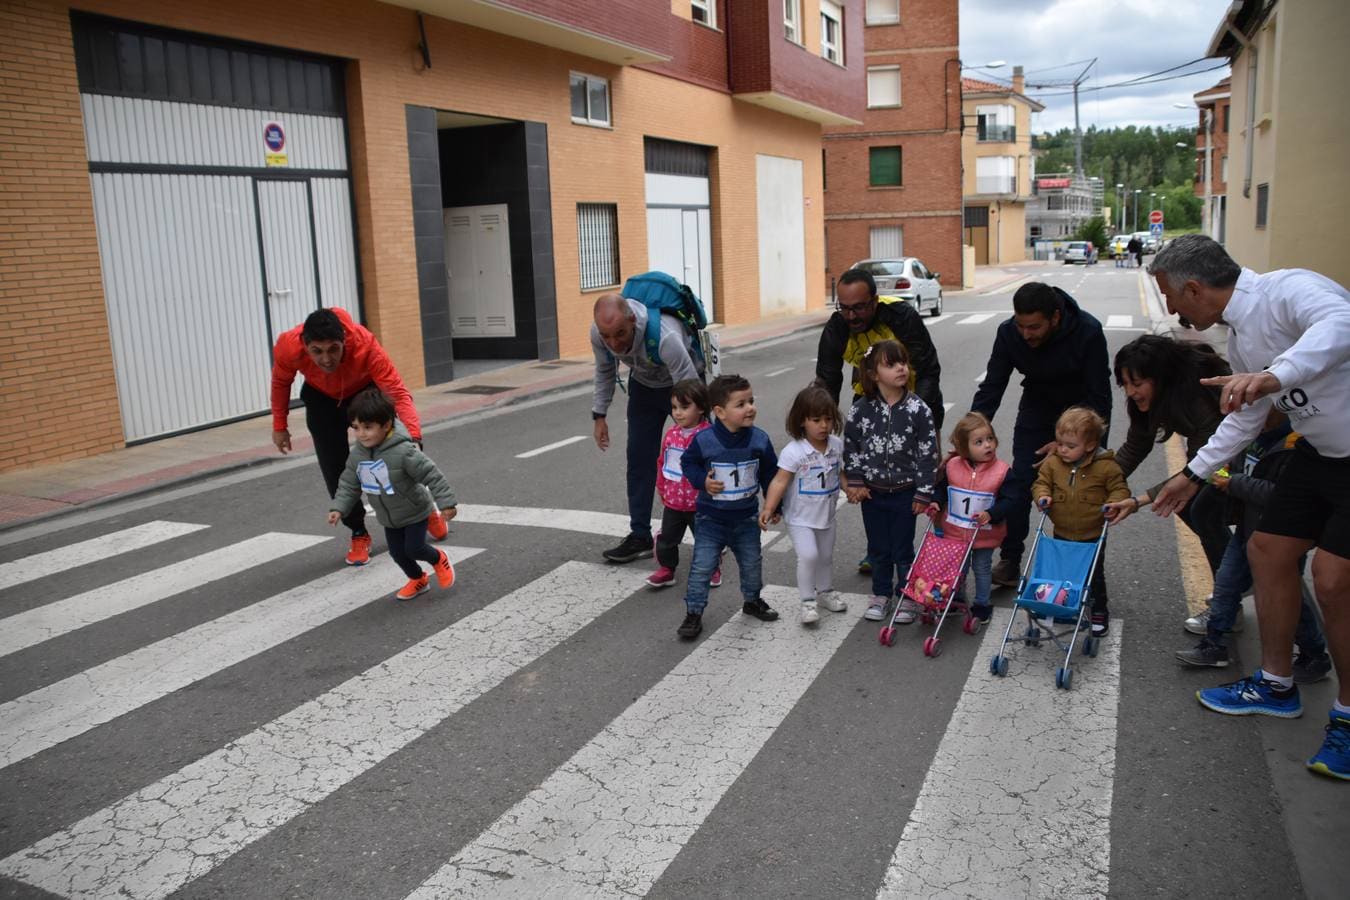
x=689 y=409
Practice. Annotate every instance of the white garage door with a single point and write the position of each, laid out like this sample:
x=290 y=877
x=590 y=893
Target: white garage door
x=679 y=215
x=782 y=235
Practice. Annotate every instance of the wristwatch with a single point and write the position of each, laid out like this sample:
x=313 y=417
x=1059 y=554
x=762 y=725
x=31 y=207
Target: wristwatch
x=595 y=416
x=1192 y=477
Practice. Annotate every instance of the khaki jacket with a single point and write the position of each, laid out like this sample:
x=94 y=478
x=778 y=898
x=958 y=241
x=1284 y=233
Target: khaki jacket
x=1079 y=492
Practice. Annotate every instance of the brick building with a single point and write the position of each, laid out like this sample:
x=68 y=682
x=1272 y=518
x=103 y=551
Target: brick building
x=893 y=183
x=998 y=164
x=1211 y=156
x=183 y=180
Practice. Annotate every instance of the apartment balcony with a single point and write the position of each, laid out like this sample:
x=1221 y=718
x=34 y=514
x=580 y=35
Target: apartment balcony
x=621 y=32
x=996 y=134
x=995 y=185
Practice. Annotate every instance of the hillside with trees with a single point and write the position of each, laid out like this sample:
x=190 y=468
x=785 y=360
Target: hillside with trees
x=1147 y=159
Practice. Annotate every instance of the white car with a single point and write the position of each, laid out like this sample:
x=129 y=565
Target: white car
x=908 y=279
x=1078 y=252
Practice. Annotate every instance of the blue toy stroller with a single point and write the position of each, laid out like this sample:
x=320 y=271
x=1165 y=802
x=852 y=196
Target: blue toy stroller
x=1055 y=588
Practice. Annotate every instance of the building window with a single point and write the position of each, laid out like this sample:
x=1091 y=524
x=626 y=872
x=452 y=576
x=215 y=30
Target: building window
x=832 y=31
x=1226 y=107
x=705 y=11
x=996 y=175
x=883 y=86
x=590 y=100
x=884 y=167
x=824 y=171
x=977 y=217
x=886 y=242
x=996 y=123
x=1223 y=168
x=883 y=12
x=792 y=20
x=1262 y=204
x=598 y=245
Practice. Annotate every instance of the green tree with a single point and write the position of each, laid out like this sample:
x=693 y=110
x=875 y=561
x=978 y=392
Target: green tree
x=1094 y=230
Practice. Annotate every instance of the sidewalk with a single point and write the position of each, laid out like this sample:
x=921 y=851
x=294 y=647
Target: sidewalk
x=47 y=491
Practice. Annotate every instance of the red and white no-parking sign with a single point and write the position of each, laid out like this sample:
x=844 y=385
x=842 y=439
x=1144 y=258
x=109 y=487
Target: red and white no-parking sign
x=1155 y=217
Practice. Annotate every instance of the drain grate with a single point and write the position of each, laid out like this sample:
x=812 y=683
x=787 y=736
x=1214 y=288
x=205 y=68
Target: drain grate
x=480 y=389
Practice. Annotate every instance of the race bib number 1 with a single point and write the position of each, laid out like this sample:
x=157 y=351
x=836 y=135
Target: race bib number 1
x=374 y=477
x=818 y=480
x=739 y=480
x=671 y=466
x=963 y=506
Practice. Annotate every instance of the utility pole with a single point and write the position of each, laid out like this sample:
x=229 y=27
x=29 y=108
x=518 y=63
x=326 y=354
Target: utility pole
x=1077 y=130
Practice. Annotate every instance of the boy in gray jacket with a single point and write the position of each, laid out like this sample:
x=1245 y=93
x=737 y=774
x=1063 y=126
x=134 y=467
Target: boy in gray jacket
x=400 y=481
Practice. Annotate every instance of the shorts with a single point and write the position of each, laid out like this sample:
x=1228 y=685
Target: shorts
x=1312 y=501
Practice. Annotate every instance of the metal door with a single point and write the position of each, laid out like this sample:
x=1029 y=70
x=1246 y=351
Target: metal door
x=478 y=266
x=286 y=232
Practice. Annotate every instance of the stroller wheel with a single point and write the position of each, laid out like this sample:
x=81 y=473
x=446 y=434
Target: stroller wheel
x=1090 y=645
x=887 y=636
x=932 y=646
x=971 y=625
x=1063 y=678
x=998 y=666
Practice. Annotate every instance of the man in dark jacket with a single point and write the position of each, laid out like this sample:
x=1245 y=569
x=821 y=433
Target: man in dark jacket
x=1061 y=351
x=861 y=320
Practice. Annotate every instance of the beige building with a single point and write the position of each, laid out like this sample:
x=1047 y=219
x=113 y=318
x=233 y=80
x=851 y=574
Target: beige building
x=1288 y=134
x=996 y=159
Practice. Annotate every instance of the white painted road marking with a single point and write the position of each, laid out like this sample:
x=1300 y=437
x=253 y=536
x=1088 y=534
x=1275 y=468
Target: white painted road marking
x=979 y=379
x=609 y=821
x=1005 y=288
x=153 y=842
x=1120 y=321
x=46 y=622
x=777 y=372
x=553 y=446
x=40 y=565
x=976 y=318
x=936 y=319
x=1027 y=817
x=58 y=712
x=947 y=407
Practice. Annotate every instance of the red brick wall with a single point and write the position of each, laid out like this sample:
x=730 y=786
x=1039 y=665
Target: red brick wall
x=763 y=59
x=642 y=23
x=698 y=53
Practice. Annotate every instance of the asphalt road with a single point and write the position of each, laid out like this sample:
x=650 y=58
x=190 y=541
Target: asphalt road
x=230 y=727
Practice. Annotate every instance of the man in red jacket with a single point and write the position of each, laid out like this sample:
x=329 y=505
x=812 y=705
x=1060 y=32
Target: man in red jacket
x=339 y=360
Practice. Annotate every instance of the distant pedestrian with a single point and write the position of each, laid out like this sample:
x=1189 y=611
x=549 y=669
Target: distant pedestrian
x=1135 y=249
x=731 y=462
x=689 y=409
x=338 y=359
x=388 y=470
x=806 y=487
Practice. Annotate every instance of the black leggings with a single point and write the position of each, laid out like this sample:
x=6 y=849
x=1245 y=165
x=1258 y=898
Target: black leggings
x=326 y=419
x=673 y=525
x=409 y=544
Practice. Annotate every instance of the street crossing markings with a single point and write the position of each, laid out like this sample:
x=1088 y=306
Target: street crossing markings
x=979 y=379
x=775 y=373
x=1120 y=321
x=609 y=821
x=58 y=712
x=1024 y=817
x=976 y=318
x=46 y=622
x=40 y=565
x=936 y=319
x=154 y=841
x=553 y=446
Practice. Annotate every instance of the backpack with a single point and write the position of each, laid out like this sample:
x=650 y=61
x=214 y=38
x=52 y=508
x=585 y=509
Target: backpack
x=661 y=293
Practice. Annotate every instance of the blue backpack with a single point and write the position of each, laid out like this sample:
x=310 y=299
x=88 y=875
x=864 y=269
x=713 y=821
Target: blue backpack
x=661 y=293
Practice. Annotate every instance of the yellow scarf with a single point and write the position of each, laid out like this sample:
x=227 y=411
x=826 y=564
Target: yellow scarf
x=858 y=344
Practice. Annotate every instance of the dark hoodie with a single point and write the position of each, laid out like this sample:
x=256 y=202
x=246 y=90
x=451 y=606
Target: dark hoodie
x=1070 y=369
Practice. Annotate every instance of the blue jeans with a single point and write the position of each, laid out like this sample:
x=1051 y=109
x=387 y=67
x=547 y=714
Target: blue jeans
x=1234 y=579
x=1017 y=485
x=648 y=409
x=711 y=537
x=981 y=565
x=888 y=520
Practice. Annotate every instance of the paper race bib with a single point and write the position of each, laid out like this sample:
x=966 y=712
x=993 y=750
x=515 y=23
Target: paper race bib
x=671 y=467
x=739 y=480
x=818 y=480
x=963 y=505
x=374 y=477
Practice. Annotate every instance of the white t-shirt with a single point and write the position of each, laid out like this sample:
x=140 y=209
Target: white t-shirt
x=814 y=490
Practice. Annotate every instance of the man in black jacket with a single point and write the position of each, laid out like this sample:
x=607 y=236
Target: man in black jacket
x=862 y=320
x=1061 y=351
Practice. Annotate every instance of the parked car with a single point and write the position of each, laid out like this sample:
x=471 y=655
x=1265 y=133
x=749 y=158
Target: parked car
x=1118 y=244
x=1078 y=252
x=907 y=278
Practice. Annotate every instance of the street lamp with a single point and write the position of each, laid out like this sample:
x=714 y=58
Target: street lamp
x=996 y=64
x=1120 y=199
x=1137 y=192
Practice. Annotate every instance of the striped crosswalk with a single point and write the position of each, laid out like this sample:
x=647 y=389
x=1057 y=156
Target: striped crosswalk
x=607 y=822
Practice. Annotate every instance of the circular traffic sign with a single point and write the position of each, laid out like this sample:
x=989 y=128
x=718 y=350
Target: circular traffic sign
x=1155 y=217
x=274 y=136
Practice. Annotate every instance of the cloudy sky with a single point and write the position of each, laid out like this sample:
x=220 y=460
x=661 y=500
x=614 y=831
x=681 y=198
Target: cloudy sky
x=1129 y=39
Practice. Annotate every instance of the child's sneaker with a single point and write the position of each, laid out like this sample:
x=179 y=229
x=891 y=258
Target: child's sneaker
x=1333 y=760
x=865 y=566
x=809 y=614
x=1205 y=653
x=760 y=610
x=1101 y=622
x=662 y=577
x=981 y=611
x=1309 y=668
x=716 y=580
x=691 y=627
x=876 y=608
x=359 y=554
x=436 y=526
x=414 y=587
x=1252 y=696
x=832 y=601
x=445 y=571
x=909 y=611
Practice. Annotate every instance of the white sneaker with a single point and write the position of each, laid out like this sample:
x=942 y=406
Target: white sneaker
x=831 y=600
x=809 y=614
x=876 y=608
x=909 y=611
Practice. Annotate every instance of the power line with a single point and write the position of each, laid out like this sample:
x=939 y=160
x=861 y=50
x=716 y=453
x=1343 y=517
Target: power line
x=1138 y=82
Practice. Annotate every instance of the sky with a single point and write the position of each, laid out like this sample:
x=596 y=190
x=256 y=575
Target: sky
x=1128 y=38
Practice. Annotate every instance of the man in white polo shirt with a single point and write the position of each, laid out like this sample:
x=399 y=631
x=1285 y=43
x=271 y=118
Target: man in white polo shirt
x=1290 y=346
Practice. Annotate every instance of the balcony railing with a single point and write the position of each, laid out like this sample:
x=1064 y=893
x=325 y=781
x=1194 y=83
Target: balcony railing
x=997 y=133
x=996 y=184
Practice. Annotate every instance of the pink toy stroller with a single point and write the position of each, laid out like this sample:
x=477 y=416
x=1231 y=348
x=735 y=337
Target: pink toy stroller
x=932 y=582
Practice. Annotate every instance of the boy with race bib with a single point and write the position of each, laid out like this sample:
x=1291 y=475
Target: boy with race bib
x=689 y=409
x=807 y=484
x=731 y=462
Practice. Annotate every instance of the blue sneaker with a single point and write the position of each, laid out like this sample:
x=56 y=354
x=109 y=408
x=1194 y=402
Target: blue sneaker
x=1333 y=760
x=1252 y=697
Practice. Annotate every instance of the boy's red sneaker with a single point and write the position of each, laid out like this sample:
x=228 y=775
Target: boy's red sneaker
x=414 y=587
x=359 y=554
x=436 y=526
x=445 y=571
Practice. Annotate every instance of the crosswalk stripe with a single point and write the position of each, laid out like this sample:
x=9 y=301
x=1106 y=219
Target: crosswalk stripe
x=158 y=839
x=40 y=565
x=46 y=622
x=1120 y=321
x=610 y=820
x=933 y=320
x=1033 y=814
x=553 y=446
x=976 y=318
x=58 y=712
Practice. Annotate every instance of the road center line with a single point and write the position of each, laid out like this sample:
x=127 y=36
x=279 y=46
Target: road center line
x=40 y=565
x=1017 y=801
x=777 y=372
x=553 y=446
x=976 y=318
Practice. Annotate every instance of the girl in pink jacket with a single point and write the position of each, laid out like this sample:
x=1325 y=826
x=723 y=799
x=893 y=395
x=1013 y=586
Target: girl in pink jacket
x=971 y=483
x=689 y=409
